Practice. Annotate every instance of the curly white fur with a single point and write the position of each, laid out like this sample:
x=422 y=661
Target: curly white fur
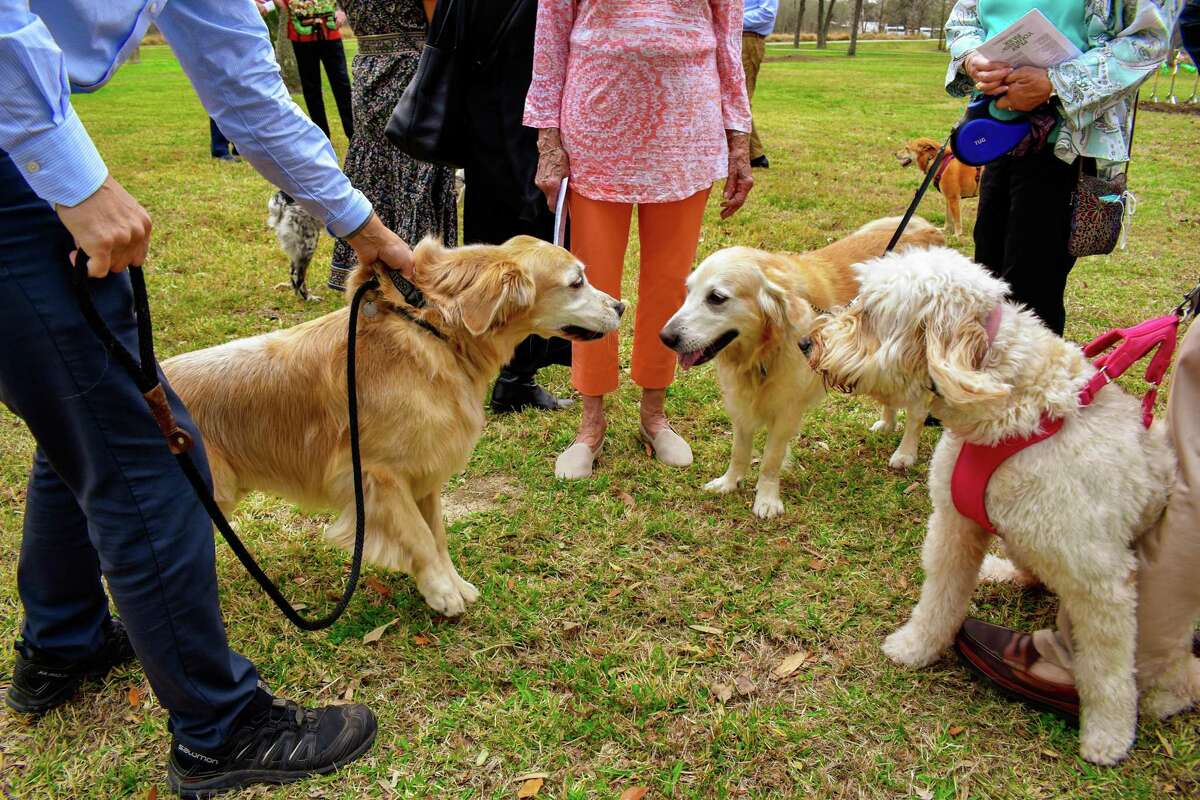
x=1070 y=509
x=298 y=233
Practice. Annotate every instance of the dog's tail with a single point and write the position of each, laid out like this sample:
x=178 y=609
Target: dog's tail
x=871 y=240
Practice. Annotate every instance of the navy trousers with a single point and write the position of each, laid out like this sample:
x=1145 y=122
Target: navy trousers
x=218 y=145
x=105 y=496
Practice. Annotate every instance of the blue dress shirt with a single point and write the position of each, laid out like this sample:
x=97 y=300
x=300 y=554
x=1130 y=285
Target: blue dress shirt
x=50 y=47
x=758 y=16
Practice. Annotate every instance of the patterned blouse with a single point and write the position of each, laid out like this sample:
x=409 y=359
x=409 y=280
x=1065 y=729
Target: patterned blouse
x=642 y=91
x=1097 y=89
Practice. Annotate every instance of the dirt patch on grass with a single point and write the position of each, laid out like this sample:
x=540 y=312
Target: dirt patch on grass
x=789 y=57
x=1182 y=108
x=479 y=494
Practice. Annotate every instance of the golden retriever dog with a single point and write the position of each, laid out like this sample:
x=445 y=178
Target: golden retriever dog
x=272 y=408
x=957 y=181
x=1072 y=508
x=748 y=309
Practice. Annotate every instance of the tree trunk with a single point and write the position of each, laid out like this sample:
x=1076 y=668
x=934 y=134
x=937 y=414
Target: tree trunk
x=284 y=53
x=942 y=28
x=854 y=28
x=823 y=22
x=799 y=23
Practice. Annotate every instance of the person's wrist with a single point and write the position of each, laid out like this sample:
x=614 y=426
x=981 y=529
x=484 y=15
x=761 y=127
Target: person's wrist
x=366 y=223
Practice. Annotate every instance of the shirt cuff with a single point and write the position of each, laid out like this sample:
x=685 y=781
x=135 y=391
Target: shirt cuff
x=61 y=164
x=350 y=218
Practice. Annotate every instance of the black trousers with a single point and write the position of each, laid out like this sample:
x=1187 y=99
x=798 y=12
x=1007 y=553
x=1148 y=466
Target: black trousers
x=1022 y=227
x=491 y=217
x=218 y=145
x=309 y=58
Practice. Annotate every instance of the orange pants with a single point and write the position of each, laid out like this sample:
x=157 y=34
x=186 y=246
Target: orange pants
x=669 y=234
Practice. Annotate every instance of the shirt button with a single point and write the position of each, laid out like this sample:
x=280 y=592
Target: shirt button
x=32 y=166
x=154 y=8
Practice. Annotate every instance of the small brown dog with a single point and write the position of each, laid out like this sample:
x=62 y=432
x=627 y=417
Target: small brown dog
x=272 y=408
x=955 y=181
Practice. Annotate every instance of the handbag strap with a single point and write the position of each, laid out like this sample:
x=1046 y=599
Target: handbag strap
x=1132 y=128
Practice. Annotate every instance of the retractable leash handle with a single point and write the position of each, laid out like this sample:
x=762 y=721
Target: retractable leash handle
x=144 y=373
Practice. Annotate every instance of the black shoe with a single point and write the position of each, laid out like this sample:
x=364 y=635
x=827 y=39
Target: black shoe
x=274 y=741
x=515 y=394
x=760 y=162
x=932 y=422
x=41 y=683
x=230 y=157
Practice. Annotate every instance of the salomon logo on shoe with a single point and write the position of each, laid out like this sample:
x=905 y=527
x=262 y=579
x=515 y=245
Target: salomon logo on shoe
x=192 y=754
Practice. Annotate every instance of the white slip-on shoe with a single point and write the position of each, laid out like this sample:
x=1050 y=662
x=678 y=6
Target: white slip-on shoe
x=576 y=461
x=668 y=446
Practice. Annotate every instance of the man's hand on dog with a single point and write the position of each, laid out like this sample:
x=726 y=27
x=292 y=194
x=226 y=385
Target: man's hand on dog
x=376 y=243
x=110 y=226
x=1028 y=88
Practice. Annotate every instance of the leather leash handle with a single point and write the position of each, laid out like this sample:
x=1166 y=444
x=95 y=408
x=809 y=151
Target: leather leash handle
x=143 y=370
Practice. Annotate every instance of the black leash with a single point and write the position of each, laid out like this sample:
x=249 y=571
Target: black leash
x=145 y=375
x=916 y=201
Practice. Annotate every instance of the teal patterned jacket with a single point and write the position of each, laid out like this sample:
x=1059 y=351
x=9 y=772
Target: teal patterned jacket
x=1127 y=42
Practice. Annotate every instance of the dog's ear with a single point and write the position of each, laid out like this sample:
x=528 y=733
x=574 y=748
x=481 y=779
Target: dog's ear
x=502 y=290
x=786 y=310
x=955 y=344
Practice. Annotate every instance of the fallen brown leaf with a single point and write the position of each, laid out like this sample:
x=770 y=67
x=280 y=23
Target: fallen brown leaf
x=152 y=794
x=705 y=614
x=378 y=586
x=745 y=685
x=530 y=788
x=135 y=696
x=571 y=629
x=634 y=793
x=816 y=565
x=421 y=640
x=956 y=730
x=912 y=487
x=790 y=664
x=709 y=629
x=614 y=592
x=377 y=634
x=627 y=499
x=722 y=691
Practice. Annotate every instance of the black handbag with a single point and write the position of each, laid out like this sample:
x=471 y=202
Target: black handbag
x=427 y=123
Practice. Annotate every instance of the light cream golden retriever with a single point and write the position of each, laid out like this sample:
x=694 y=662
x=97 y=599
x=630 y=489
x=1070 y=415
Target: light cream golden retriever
x=1071 y=509
x=748 y=309
x=272 y=408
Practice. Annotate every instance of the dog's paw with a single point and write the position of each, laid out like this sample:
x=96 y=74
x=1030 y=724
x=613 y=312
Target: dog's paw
x=901 y=461
x=882 y=425
x=467 y=589
x=910 y=648
x=767 y=505
x=442 y=594
x=1177 y=689
x=312 y=298
x=1103 y=747
x=723 y=485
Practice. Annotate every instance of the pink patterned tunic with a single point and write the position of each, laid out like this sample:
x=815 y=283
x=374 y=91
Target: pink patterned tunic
x=642 y=90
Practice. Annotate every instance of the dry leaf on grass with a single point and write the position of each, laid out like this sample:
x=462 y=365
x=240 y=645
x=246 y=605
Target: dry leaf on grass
x=571 y=629
x=634 y=793
x=135 y=696
x=709 y=629
x=152 y=794
x=816 y=565
x=421 y=640
x=722 y=691
x=955 y=730
x=627 y=499
x=912 y=487
x=378 y=586
x=530 y=788
x=923 y=793
x=745 y=685
x=481 y=758
x=377 y=634
x=790 y=664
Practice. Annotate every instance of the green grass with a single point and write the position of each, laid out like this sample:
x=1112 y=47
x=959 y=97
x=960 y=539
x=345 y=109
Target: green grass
x=579 y=660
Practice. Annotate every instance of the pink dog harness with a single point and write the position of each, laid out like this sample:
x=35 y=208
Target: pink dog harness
x=977 y=463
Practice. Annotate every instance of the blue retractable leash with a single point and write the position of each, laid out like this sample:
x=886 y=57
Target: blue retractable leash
x=144 y=371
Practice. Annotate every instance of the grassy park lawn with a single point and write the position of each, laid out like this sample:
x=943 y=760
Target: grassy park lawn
x=615 y=610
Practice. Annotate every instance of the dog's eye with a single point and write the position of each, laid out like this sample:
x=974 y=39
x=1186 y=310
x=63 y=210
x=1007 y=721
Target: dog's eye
x=577 y=283
x=716 y=298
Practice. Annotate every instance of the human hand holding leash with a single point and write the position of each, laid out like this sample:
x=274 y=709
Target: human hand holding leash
x=553 y=164
x=1027 y=88
x=374 y=243
x=740 y=181
x=989 y=76
x=110 y=226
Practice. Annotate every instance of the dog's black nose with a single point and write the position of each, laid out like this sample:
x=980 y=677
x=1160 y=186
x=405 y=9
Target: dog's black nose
x=668 y=338
x=806 y=345
x=619 y=307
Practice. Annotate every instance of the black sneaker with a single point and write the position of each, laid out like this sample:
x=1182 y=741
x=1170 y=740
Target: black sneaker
x=760 y=163
x=41 y=683
x=511 y=394
x=274 y=741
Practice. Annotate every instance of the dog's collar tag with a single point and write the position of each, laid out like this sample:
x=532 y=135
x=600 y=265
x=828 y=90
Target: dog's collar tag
x=369 y=309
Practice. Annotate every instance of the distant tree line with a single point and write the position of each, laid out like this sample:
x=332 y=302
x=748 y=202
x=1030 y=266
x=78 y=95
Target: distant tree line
x=836 y=15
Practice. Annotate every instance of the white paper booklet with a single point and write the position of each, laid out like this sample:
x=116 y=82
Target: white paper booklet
x=1031 y=41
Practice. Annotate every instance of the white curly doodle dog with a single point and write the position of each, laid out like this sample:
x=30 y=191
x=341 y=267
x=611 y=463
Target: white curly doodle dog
x=748 y=309
x=272 y=408
x=1071 y=508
